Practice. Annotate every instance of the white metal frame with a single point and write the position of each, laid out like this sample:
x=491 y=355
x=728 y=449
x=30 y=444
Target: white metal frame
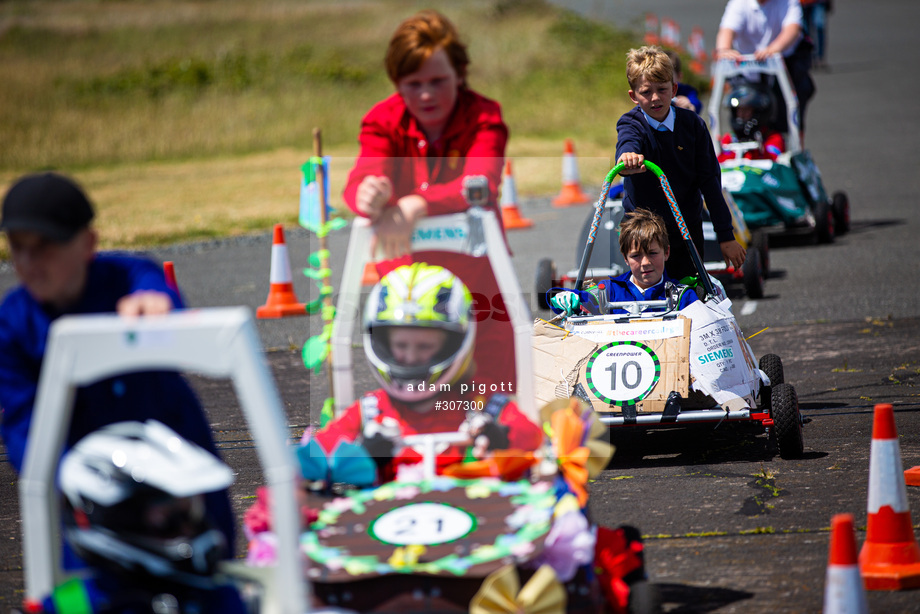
x=220 y=342
x=773 y=65
x=475 y=232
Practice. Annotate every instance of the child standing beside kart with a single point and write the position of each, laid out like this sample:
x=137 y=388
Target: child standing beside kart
x=677 y=141
x=645 y=246
x=419 y=337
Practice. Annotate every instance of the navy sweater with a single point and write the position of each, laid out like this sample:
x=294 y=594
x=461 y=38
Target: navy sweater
x=688 y=160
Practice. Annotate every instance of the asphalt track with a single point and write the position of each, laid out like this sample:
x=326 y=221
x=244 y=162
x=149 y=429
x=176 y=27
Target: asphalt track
x=729 y=526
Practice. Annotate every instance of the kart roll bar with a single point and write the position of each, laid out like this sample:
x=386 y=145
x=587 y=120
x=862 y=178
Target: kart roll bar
x=774 y=65
x=475 y=232
x=218 y=342
x=675 y=211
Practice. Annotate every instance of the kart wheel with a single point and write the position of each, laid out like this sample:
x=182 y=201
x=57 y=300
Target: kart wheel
x=824 y=222
x=546 y=273
x=753 y=274
x=772 y=365
x=841 y=209
x=787 y=422
x=761 y=243
x=643 y=598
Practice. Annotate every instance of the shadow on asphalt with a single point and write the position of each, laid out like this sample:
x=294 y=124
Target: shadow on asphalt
x=683 y=599
x=680 y=446
x=795 y=238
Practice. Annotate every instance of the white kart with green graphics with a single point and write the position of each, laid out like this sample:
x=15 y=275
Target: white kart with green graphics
x=786 y=195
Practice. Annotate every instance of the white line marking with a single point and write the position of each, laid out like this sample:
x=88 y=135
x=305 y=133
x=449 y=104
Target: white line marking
x=749 y=308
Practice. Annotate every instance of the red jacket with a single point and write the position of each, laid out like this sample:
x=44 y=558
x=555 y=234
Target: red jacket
x=349 y=425
x=395 y=146
x=473 y=143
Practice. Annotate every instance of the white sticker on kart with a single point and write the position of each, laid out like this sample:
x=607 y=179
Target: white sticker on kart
x=787 y=203
x=604 y=331
x=424 y=524
x=732 y=180
x=623 y=372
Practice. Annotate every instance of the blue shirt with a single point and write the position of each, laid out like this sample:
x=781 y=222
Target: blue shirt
x=621 y=289
x=654 y=123
x=159 y=395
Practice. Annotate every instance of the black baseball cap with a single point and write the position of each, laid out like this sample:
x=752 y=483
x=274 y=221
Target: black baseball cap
x=47 y=203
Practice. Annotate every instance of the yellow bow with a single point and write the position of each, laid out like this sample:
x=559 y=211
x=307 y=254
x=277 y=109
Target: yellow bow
x=501 y=593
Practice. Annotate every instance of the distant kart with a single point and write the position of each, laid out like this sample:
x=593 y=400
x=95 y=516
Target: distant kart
x=787 y=195
x=756 y=268
x=605 y=260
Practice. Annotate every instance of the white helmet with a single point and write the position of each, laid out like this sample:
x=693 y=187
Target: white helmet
x=134 y=503
x=419 y=296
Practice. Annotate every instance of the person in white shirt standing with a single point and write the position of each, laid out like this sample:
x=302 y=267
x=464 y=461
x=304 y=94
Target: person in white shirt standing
x=762 y=28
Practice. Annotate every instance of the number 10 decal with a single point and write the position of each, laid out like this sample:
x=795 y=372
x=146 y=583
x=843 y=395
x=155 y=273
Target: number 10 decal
x=623 y=372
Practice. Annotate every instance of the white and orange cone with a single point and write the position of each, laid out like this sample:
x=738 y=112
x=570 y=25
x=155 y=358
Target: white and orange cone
x=571 y=193
x=511 y=215
x=169 y=271
x=890 y=556
x=843 y=587
x=651 y=29
x=912 y=476
x=281 y=299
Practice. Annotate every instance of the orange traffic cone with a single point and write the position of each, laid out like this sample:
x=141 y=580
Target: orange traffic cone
x=651 y=29
x=511 y=216
x=890 y=556
x=912 y=476
x=281 y=299
x=843 y=587
x=571 y=193
x=370 y=276
x=170 y=272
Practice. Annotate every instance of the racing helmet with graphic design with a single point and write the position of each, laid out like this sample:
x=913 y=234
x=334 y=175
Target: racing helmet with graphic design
x=410 y=299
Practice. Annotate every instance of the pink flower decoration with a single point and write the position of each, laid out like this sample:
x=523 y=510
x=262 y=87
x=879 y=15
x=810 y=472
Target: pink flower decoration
x=410 y=473
x=522 y=549
x=340 y=504
x=406 y=492
x=263 y=550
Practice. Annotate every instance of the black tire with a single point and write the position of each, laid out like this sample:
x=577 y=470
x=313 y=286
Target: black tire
x=752 y=269
x=824 y=222
x=761 y=243
x=841 y=207
x=546 y=274
x=772 y=365
x=643 y=598
x=787 y=422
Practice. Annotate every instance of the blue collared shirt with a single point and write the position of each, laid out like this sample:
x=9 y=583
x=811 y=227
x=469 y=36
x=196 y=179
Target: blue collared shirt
x=667 y=123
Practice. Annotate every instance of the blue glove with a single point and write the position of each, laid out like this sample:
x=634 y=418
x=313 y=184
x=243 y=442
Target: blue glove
x=566 y=301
